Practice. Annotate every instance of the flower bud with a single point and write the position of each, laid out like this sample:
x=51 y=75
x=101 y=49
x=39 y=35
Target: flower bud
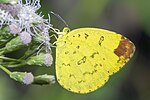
x=13 y=45
x=5 y=35
x=44 y=79
x=23 y=77
x=41 y=60
x=14 y=28
x=25 y=37
x=48 y=59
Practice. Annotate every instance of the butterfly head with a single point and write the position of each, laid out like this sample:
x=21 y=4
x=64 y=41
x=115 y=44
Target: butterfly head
x=66 y=30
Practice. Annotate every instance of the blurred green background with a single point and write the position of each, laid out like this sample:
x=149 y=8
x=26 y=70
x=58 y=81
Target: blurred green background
x=131 y=18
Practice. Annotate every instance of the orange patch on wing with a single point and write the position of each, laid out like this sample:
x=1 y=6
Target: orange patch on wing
x=125 y=49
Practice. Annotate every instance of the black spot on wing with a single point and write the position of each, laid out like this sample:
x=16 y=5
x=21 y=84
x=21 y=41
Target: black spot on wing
x=74 y=52
x=78 y=47
x=95 y=65
x=72 y=75
x=90 y=73
x=58 y=80
x=66 y=52
x=69 y=89
x=81 y=81
x=79 y=35
x=65 y=64
x=93 y=54
x=101 y=40
x=100 y=65
x=86 y=35
x=83 y=60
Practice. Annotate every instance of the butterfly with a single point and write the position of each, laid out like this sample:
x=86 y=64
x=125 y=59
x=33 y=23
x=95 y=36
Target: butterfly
x=87 y=57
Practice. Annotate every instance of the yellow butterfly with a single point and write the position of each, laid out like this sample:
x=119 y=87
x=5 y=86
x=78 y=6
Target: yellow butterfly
x=86 y=57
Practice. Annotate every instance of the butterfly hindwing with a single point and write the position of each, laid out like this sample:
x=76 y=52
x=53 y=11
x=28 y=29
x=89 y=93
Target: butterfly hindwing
x=86 y=57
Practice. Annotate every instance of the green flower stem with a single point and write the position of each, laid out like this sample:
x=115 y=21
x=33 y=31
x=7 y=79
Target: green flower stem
x=1 y=52
x=26 y=56
x=29 y=53
x=3 y=43
x=16 y=65
x=5 y=64
x=5 y=70
x=10 y=59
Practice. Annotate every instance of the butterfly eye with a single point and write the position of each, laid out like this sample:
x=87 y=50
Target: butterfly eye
x=66 y=30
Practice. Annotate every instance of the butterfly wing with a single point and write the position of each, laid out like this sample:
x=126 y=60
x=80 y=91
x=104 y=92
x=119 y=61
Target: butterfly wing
x=86 y=57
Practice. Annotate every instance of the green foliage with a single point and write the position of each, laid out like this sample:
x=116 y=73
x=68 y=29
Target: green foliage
x=13 y=45
x=5 y=36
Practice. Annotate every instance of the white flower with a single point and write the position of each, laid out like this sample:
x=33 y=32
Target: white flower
x=28 y=78
x=48 y=59
x=28 y=24
x=5 y=18
x=14 y=28
x=42 y=32
x=33 y=23
x=46 y=38
x=27 y=15
x=25 y=37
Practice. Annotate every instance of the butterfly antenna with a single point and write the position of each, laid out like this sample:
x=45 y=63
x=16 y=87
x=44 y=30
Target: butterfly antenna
x=59 y=18
x=49 y=19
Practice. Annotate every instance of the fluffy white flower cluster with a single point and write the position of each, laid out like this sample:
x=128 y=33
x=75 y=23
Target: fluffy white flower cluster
x=27 y=23
x=5 y=18
x=22 y=27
